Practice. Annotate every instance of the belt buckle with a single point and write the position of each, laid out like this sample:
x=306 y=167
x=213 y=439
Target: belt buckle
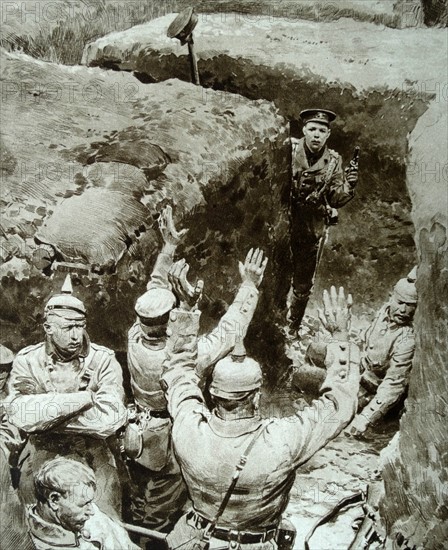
x=234 y=535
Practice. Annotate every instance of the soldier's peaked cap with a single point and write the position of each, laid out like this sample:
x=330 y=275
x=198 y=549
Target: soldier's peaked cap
x=236 y=375
x=183 y=25
x=155 y=303
x=317 y=115
x=65 y=304
x=6 y=356
x=405 y=289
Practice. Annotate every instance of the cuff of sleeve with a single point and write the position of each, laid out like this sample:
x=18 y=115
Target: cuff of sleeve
x=247 y=296
x=184 y=323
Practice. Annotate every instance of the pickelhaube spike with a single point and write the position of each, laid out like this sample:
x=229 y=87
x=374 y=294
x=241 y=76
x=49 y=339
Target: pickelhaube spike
x=65 y=304
x=412 y=275
x=67 y=287
x=239 y=352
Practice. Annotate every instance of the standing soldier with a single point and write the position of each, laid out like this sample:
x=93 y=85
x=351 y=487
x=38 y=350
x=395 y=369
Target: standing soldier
x=12 y=517
x=239 y=468
x=66 y=394
x=156 y=478
x=319 y=186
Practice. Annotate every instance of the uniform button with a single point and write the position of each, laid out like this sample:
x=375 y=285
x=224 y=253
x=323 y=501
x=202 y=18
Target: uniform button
x=85 y=534
x=173 y=316
x=343 y=374
x=343 y=347
x=343 y=361
x=371 y=346
x=169 y=332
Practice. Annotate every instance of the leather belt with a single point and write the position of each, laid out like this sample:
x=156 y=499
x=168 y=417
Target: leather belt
x=222 y=533
x=154 y=413
x=163 y=413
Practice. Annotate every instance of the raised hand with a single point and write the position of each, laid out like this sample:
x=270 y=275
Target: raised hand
x=252 y=270
x=336 y=315
x=187 y=294
x=168 y=231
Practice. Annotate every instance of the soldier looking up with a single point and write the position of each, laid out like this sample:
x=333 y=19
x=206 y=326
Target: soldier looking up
x=319 y=186
x=388 y=351
x=232 y=441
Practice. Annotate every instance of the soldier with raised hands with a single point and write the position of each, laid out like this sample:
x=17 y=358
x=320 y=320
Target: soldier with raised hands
x=159 y=492
x=239 y=468
x=387 y=351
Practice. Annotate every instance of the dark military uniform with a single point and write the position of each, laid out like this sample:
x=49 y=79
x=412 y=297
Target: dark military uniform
x=309 y=218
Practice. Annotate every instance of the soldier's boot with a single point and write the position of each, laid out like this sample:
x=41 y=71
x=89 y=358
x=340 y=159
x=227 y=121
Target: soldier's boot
x=297 y=310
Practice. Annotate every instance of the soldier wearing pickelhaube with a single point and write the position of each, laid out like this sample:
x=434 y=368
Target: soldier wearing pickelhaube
x=239 y=467
x=12 y=514
x=159 y=490
x=388 y=352
x=66 y=395
x=319 y=186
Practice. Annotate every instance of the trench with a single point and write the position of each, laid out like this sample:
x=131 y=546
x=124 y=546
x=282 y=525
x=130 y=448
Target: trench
x=371 y=248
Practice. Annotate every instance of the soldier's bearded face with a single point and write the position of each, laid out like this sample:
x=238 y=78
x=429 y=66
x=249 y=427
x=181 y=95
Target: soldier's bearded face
x=316 y=135
x=66 y=334
x=401 y=312
x=75 y=507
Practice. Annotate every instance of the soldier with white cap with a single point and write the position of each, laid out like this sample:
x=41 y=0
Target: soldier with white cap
x=66 y=395
x=239 y=468
x=159 y=491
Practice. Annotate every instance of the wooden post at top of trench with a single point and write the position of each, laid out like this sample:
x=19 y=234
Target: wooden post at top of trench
x=182 y=28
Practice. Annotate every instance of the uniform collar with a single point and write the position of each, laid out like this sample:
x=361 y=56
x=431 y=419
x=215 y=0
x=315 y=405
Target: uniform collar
x=49 y=533
x=56 y=535
x=52 y=352
x=156 y=343
x=319 y=160
x=233 y=428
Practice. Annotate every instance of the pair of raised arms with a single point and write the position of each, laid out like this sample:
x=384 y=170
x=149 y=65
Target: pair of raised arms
x=335 y=315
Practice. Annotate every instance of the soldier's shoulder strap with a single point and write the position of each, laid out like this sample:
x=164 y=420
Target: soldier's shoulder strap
x=238 y=469
x=334 y=154
x=30 y=349
x=90 y=365
x=97 y=347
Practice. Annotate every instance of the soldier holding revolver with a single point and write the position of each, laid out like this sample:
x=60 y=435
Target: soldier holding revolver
x=319 y=187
